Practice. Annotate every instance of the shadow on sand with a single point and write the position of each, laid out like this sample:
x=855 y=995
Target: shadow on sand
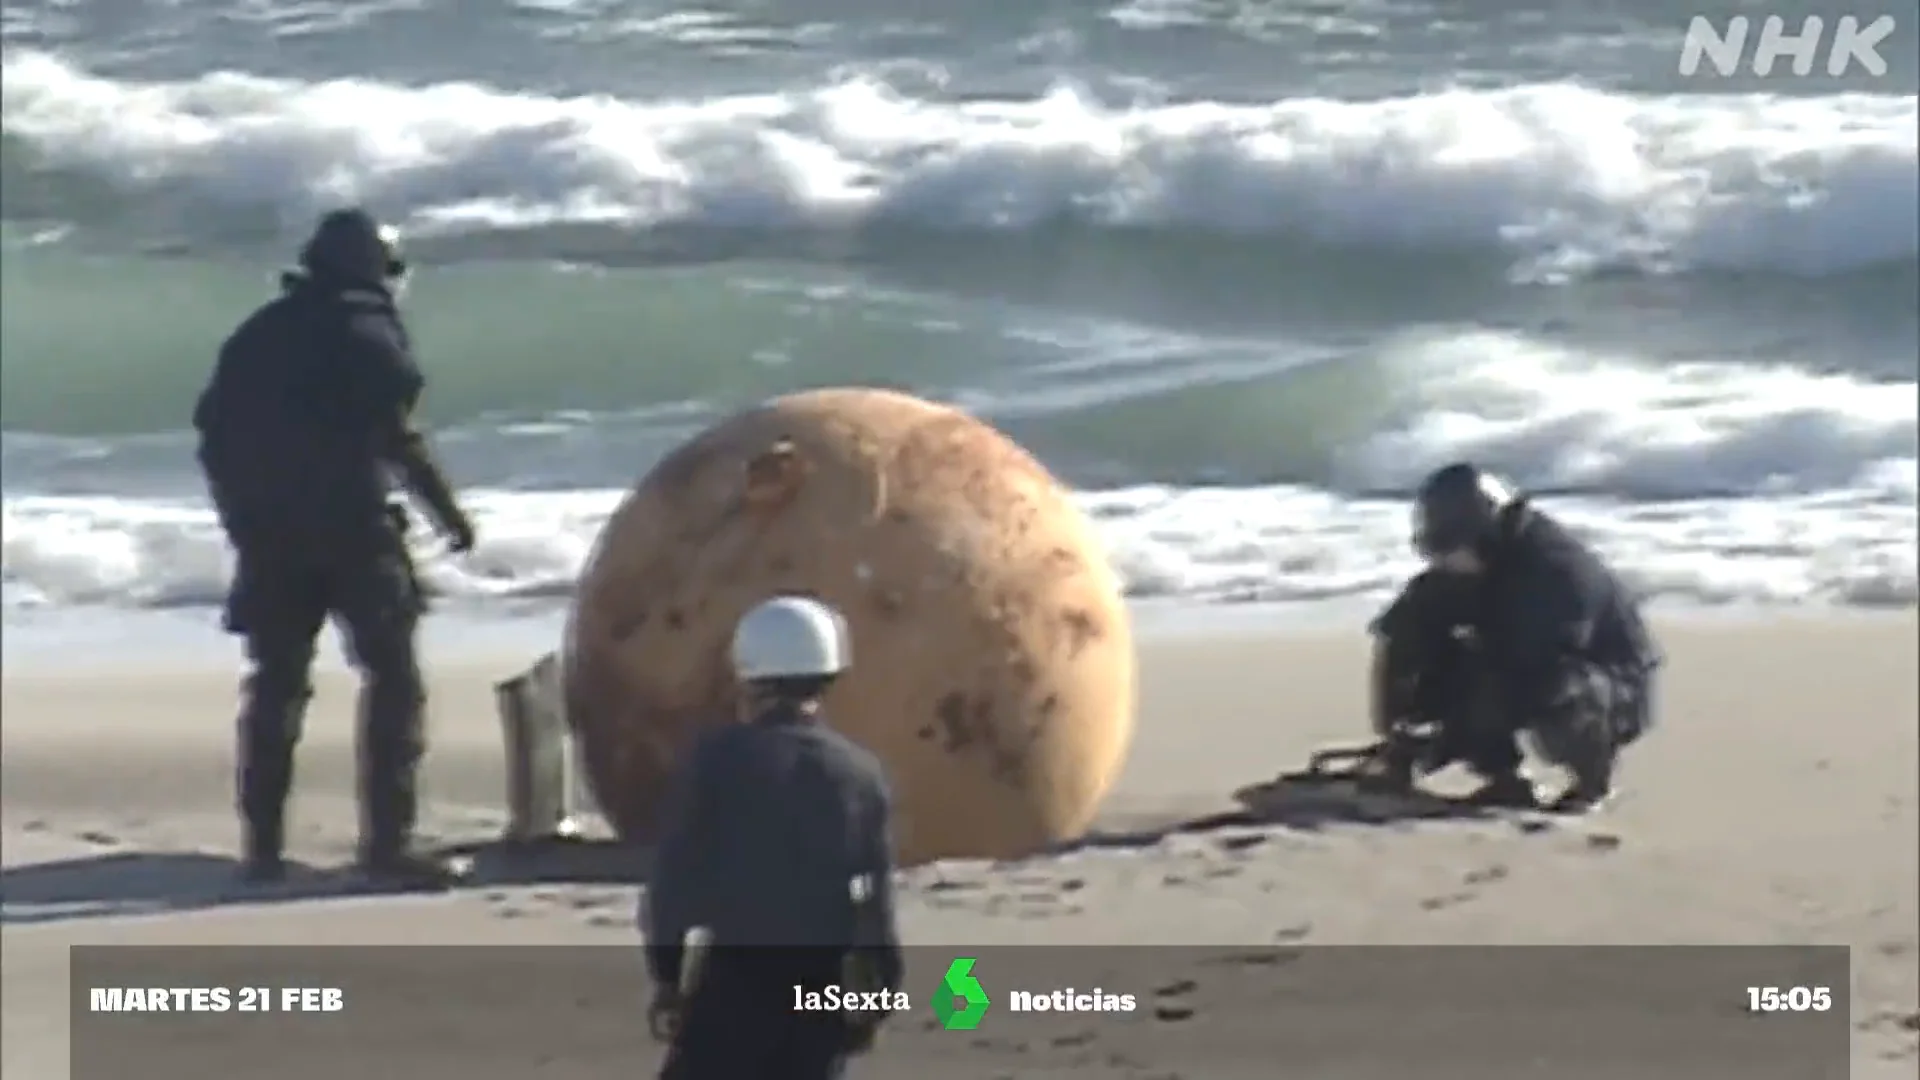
x=154 y=883
x=1309 y=800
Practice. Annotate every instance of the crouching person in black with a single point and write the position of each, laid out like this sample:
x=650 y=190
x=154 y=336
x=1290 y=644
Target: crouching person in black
x=1515 y=628
x=777 y=844
x=1423 y=678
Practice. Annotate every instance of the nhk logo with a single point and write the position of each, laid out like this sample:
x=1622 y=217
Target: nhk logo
x=1854 y=43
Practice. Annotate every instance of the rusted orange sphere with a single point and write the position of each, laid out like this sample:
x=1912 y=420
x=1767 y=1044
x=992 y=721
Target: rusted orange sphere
x=993 y=667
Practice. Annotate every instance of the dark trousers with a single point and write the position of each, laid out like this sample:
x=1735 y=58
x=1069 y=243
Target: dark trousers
x=1583 y=716
x=278 y=605
x=1580 y=714
x=733 y=1031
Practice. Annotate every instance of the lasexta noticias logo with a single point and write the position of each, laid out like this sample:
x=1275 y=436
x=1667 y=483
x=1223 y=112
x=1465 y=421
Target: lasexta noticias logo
x=960 y=1001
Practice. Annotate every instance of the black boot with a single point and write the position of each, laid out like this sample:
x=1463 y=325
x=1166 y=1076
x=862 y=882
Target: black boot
x=264 y=861
x=1583 y=743
x=387 y=866
x=386 y=854
x=391 y=742
x=268 y=731
x=1505 y=791
x=1494 y=756
x=387 y=857
x=1389 y=770
x=1592 y=786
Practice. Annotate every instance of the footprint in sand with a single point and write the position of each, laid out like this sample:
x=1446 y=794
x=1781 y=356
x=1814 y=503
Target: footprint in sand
x=1486 y=875
x=1906 y=1025
x=1077 y=1038
x=949 y=885
x=1170 y=1006
x=1241 y=843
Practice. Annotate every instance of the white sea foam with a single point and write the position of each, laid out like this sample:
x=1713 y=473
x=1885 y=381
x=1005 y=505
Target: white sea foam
x=1275 y=544
x=1730 y=484
x=1563 y=178
x=1565 y=418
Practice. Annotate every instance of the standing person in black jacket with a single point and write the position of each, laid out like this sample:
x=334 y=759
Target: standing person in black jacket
x=776 y=841
x=306 y=417
x=1515 y=627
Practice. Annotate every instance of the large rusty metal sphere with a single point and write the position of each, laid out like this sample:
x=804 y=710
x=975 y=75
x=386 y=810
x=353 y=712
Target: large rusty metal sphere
x=993 y=667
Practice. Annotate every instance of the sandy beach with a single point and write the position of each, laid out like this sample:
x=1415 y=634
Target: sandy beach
x=1774 y=805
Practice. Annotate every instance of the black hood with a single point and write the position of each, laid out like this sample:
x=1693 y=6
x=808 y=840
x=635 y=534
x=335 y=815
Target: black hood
x=353 y=246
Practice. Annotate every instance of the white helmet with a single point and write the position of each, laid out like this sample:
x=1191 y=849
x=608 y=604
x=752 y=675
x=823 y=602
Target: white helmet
x=790 y=637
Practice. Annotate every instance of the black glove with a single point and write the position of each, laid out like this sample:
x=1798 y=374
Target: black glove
x=865 y=970
x=663 y=1016
x=459 y=532
x=862 y=1030
x=424 y=481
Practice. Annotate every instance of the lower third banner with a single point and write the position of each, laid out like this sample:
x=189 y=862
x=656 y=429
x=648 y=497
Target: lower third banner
x=1215 y=1012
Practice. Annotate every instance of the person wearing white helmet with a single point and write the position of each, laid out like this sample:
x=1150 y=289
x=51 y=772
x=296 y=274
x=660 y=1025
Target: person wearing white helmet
x=777 y=842
x=791 y=647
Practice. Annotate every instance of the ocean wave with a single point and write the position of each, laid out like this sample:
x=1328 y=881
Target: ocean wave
x=1713 y=482
x=1570 y=419
x=1272 y=544
x=623 y=375
x=1556 y=180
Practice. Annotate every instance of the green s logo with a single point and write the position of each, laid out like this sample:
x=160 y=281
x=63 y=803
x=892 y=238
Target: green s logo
x=960 y=1001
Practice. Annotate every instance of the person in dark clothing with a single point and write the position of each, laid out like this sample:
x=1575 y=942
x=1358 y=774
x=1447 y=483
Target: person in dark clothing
x=777 y=843
x=306 y=417
x=1515 y=628
x=1422 y=675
